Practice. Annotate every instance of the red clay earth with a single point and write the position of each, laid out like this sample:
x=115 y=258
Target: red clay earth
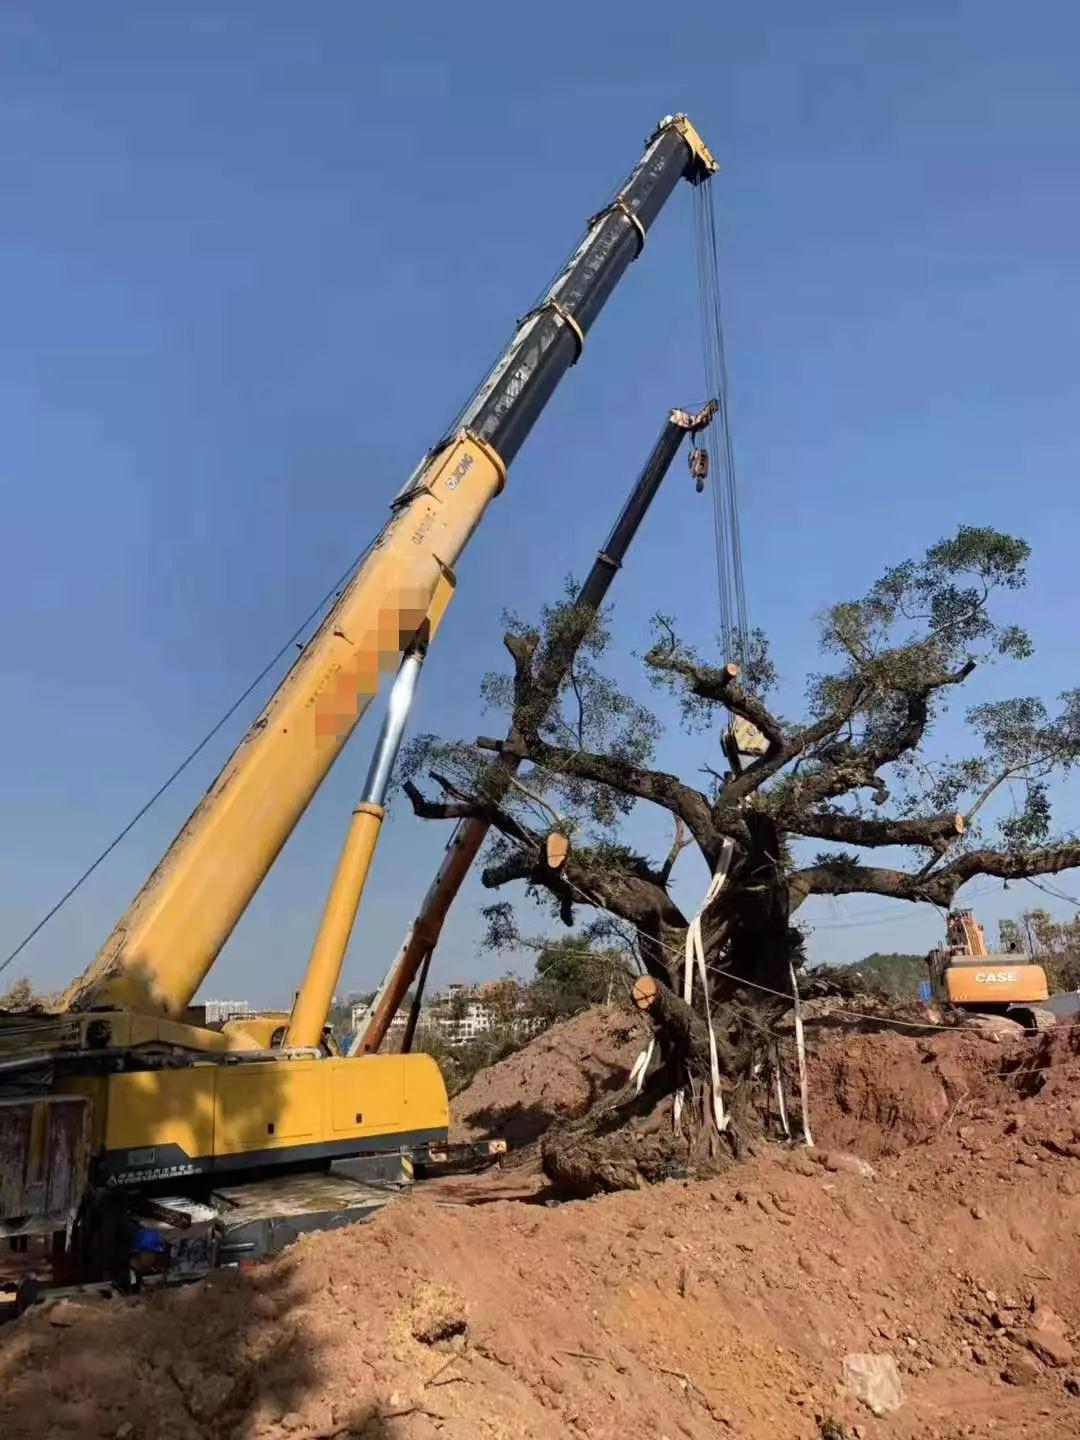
x=559 y=1074
x=708 y=1309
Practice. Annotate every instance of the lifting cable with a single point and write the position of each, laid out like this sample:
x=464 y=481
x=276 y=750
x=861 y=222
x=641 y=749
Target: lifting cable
x=716 y=438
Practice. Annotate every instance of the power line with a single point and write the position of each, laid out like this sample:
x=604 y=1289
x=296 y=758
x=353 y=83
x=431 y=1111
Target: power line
x=1049 y=890
x=183 y=765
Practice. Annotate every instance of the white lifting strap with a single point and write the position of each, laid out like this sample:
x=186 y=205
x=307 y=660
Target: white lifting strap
x=694 y=959
x=800 y=1055
x=641 y=1066
x=781 y=1102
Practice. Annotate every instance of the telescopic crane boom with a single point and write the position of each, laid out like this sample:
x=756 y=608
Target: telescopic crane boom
x=123 y=1078
x=166 y=941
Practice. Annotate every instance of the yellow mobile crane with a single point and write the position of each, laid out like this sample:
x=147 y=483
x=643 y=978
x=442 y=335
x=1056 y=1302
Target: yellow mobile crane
x=122 y=1090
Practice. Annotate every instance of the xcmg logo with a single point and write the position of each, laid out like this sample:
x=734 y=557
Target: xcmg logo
x=460 y=470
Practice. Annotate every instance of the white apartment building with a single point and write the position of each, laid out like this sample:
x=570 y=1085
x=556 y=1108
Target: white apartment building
x=218 y=1011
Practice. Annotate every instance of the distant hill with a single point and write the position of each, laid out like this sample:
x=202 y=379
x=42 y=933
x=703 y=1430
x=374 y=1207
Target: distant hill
x=892 y=977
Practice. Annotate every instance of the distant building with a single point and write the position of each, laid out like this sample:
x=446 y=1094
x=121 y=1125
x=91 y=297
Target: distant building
x=458 y=1014
x=474 y=1019
x=218 y=1011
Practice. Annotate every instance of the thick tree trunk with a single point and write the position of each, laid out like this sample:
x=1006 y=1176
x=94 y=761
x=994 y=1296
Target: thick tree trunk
x=637 y=1139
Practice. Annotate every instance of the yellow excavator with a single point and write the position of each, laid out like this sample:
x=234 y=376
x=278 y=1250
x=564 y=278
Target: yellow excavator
x=137 y=1136
x=965 y=974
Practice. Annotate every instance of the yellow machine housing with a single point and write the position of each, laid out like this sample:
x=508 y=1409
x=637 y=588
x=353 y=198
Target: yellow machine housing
x=992 y=980
x=209 y=1118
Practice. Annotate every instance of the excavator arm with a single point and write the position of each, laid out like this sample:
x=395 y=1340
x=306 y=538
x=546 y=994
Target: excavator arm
x=166 y=941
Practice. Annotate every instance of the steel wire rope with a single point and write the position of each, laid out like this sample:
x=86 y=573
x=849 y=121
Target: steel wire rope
x=717 y=438
x=192 y=755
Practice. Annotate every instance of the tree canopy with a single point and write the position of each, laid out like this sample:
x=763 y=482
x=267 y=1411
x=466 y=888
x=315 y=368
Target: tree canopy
x=852 y=772
x=816 y=803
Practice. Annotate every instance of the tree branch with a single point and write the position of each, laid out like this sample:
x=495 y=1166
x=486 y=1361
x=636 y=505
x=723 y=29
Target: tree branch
x=1005 y=865
x=657 y=786
x=522 y=648
x=909 y=736
x=678 y=845
x=854 y=830
x=466 y=808
x=837 y=878
x=851 y=767
x=770 y=764
x=632 y=892
x=443 y=809
x=721 y=686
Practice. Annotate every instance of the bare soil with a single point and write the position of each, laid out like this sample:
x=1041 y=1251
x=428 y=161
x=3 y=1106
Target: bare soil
x=558 y=1075
x=697 y=1310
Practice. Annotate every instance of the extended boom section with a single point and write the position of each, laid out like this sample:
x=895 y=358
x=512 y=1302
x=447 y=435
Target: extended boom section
x=165 y=943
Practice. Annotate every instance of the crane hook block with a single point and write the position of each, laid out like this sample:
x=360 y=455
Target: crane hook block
x=699 y=466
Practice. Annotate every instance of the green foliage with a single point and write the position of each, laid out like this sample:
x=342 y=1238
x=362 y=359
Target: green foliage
x=340 y=1017
x=935 y=607
x=572 y=974
x=757 y=672
x=19 y=995
x=894 y=976
x=1010 y=936
x=460 y=1064
x=919 y=619
x=1021 y=746
x=841 y=861
x=1053 y=944
x=590 y=712
x=603 y=934
x=1029 y=824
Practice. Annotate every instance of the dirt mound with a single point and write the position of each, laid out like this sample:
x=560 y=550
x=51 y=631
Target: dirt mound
x=559 y=1074
x=734 y=1307
x=873 y=1089
x=692 y=1310
x=878 y=1093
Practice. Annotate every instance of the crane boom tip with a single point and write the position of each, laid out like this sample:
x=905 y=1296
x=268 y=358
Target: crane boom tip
x=702 y=164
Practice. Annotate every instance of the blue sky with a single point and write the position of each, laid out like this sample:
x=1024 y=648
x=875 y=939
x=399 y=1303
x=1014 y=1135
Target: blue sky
x=255 y=255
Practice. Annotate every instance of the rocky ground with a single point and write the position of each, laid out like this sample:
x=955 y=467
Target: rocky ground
x=923 y=1256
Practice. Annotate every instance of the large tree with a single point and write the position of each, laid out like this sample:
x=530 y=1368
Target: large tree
x=859 y=774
